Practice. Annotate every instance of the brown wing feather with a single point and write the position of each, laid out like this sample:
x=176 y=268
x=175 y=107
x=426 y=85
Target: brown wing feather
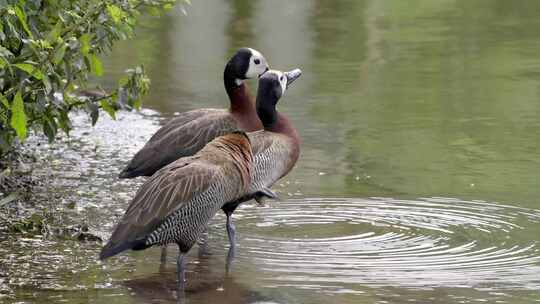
x=225 y=162
x=183 y=139
x=161 y=195
x=179 y=120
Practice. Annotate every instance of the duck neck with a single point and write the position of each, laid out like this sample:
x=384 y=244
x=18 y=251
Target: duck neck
x=285 y=127
x=239 y=97
x=274 y=121
x=240 y=100
x=282 y=125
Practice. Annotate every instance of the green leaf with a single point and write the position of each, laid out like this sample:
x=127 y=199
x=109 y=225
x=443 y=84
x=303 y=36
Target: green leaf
x=50 y=128
x=4 y=100
x=95 y=64
x=137 y=103
x=5 y=52
x=123 y=81
x=18 y=116
x=59 y=54
x=154 y=11
x=106 y=106
x=30 y=69
x=85 y=44
x=3 y=62
x=64 y=122
x=115 y=12
x=55 y=32
x=22 y=18
x=47 y=84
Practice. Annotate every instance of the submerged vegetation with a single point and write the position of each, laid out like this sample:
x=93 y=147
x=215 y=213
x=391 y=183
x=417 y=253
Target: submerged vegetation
x=48 y=51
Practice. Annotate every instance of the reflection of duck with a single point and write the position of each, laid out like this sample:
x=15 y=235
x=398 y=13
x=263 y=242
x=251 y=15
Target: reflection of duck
x=177 y=202
x=205 y=286
x=190 y=131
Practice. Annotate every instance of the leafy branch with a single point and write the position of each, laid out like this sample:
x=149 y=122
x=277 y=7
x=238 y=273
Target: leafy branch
x=48 y=50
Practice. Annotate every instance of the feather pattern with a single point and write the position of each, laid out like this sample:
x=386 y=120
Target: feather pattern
x=189 y=132
x=181 y=119
x=274 y=155
x=176 y=203
x=183 y=136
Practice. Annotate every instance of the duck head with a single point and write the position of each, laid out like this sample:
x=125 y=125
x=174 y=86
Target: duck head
x=246 y=63
x=272 y=86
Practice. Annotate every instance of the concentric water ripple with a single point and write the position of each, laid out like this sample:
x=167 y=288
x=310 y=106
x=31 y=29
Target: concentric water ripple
x=427 y=243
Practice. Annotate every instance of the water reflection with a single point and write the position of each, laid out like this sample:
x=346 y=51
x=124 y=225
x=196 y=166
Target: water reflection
x=424 y=98
x=206 y=285
x=386 y=242
x=314 y=249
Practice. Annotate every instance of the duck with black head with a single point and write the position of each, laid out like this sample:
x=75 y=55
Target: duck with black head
x=276 y=148
x=190 y=131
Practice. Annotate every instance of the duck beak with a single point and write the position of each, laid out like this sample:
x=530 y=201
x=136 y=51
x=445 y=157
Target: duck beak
x=292 y=75
x=266 y=70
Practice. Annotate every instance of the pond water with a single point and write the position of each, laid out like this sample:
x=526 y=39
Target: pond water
x=419 y=176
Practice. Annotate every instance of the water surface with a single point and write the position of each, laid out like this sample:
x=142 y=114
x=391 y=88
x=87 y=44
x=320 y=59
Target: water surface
x=418 y=179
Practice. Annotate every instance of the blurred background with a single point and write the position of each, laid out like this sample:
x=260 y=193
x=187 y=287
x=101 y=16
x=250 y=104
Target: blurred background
x=413 y=99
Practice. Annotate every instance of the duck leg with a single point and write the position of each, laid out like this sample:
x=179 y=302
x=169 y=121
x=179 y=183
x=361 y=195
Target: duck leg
x=229 y=208
x=203 y=244
x=231 y=229
x=181 y=270
x=181 y=277
x=163 y=258
x=230 y=257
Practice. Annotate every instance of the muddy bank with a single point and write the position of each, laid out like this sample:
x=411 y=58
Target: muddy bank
x=53 y=194
x=15 y=175
x=26 y=207
x=39 y=182
x=21 y=208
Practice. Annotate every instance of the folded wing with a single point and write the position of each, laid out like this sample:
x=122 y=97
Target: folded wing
x=160 y=196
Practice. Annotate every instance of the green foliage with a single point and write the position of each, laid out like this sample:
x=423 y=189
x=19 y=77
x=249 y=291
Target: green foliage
x=18 y=117
x=49 y=48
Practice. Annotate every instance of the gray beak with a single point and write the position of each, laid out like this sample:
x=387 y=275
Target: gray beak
x=292 y=75
x=266 y=70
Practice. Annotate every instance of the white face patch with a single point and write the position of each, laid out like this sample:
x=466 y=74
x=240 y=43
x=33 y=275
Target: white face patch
x=257 y=64
x=281 y=78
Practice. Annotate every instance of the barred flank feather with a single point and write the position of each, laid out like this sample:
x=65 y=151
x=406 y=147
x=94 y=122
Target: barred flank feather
x=176 y=203
x=274 y=155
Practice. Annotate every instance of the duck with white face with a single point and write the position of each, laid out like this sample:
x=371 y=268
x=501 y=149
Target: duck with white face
x=276 y=148
x=190 y=131
x=272 y=86
x=246 y=64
